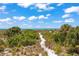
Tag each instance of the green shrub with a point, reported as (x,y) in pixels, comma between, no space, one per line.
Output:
(2,45)
(2,48)
(58,37)
(71,38)
(13,31)
(24,39)
(57,48)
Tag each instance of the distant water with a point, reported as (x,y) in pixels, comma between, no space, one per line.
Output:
(40,29)
(3,29)
(35,29)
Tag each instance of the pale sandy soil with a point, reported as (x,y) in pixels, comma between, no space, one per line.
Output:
(34,50)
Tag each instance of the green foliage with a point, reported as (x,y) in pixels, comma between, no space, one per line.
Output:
(2,48)
(13,31)
(77,49)
(2,45)
(58,37)
(48,36)
(77,34)
(31,34)
(57,48)
(66,36)
(65,27)
(23,39)
(71,38)
(73,50)
(1,42)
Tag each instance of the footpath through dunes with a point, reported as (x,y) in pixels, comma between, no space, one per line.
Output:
(42,43)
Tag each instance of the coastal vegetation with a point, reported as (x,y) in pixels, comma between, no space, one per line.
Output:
(64,41)
(15,38)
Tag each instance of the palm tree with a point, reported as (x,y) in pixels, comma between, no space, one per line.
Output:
(65,27)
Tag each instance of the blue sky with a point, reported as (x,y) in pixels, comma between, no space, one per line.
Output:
(38,15)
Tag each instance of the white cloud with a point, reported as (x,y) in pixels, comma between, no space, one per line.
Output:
(39,1)
(38,26)
(69,20)
(42,17)
(23,25)
(50,8)
(5,20)
(66,15)
(48,15)
(57,21)
(10,23)
(20,18)
(39,17)
(72,9)
(41,22)
(15,17)
(43,6)
(25,5)
(59,4)
(40,10)
(32,18)
(3,10)
(48,26)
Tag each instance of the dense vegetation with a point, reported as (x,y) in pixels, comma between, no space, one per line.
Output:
(66,38)
(17,42)
(17,37)
(13,31)
(64,41)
